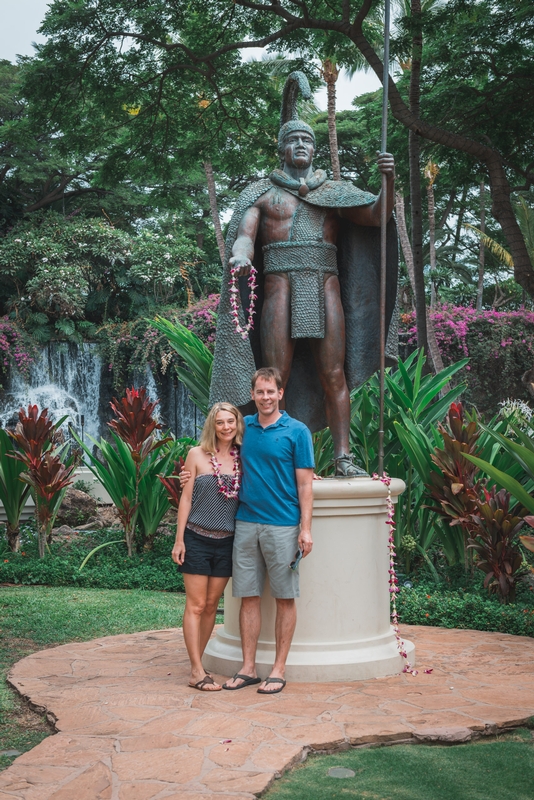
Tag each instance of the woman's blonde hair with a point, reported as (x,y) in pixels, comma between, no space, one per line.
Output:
(208,440)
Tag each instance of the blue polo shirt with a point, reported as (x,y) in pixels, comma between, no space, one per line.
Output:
(270,457)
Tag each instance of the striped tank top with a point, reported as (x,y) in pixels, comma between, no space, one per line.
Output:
(212,514)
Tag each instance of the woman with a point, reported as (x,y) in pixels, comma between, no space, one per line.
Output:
(205,530)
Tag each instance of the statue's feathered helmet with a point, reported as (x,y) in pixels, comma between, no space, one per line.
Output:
(289,121)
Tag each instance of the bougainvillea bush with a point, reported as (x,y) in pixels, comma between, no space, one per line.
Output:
(129,346)
(16,348)
(499,345)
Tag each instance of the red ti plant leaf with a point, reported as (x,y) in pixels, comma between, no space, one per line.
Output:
(172,483)
(134,423)
(33,434)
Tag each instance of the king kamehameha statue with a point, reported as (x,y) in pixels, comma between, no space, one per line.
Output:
(314,245)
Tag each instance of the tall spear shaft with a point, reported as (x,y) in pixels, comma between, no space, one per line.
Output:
(383,239)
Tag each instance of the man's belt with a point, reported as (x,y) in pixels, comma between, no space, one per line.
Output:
(306,264)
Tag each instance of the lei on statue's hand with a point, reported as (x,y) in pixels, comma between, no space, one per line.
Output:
(234,291)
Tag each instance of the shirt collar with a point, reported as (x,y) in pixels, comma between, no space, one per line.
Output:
(282,421)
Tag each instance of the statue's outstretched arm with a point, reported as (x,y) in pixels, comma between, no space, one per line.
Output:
(243,249)
(370,215)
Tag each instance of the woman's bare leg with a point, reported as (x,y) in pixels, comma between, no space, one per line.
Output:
(216,587)
(196,590)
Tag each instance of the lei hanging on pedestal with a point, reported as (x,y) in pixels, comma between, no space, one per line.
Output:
(393,581)
(233,491)
(234,291)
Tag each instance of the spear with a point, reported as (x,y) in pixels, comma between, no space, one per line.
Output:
(383,239)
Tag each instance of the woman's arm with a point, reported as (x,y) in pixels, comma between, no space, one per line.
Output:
(184,509)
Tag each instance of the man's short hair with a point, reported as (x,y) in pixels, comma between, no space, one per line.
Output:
(268,374)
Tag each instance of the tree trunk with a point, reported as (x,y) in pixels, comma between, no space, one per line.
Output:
(433,349)
(415,181)
(330,74)
(13,537)
(212,192)
(482,250)
(432,240)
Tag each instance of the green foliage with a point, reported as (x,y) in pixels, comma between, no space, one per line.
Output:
(197,357)
(13,492)
(458,609)
(63,276)
(109,568)
(413,406)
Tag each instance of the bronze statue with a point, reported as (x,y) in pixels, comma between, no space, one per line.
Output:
(315,244)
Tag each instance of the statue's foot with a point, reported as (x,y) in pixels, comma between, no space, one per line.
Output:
(346,468)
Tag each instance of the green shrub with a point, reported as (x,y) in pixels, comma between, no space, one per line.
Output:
(461,609)
(109,569)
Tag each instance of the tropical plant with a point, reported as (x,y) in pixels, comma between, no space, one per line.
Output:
(494,538)
(413,406)
(521,451)
(196,375)
(36,439)
(13,491)
(129,474)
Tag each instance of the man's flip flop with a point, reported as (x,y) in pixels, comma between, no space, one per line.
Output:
(272,680)
(207,680)
(248,680)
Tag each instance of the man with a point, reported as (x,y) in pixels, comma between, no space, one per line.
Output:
(298,218)
(273,523)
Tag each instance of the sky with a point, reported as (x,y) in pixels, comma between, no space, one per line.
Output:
(21,18)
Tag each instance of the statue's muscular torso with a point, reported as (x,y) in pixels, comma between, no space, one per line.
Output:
(277,209)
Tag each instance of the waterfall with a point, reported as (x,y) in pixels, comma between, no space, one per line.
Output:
(68,379)
(65,378)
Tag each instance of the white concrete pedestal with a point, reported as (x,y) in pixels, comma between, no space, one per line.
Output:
(343,630)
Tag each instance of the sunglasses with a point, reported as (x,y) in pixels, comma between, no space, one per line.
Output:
(294,564)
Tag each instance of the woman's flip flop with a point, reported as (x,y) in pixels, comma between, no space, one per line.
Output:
(207,680)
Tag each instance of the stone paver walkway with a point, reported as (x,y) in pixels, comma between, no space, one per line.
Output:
(130,729)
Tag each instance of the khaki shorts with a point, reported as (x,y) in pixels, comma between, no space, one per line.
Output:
(264,549)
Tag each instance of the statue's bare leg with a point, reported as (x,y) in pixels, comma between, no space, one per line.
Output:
(329,354)
(276,343)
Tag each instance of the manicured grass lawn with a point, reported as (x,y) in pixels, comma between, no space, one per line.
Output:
(502,768)
(33,618)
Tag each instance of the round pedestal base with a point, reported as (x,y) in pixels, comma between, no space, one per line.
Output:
(320,662)
(343,628)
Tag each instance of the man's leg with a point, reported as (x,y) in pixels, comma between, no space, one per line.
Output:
(277,346)
(329,354)
(249,628)
(286,619)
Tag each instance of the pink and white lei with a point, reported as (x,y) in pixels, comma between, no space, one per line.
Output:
(233,492)
(234,291)
(393,580)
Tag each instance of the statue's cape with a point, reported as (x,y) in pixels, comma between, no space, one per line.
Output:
(358,255)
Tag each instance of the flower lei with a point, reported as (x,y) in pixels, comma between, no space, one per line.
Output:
(233,492)
(393,581)
(234,291)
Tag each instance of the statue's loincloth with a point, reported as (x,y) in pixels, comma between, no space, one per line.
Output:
(305,259)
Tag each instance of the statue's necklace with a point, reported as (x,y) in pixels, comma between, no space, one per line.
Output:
(233,492)
(302,186)
(234,291)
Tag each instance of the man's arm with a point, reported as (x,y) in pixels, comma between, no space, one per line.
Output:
(370,215)
(305,492)
(243,249)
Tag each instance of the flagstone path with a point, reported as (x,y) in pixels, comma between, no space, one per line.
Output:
(130,729)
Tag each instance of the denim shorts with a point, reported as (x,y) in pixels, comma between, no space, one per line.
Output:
(206,556)
(261,550)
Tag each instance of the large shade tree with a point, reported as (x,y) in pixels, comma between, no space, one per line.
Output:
(108,59)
